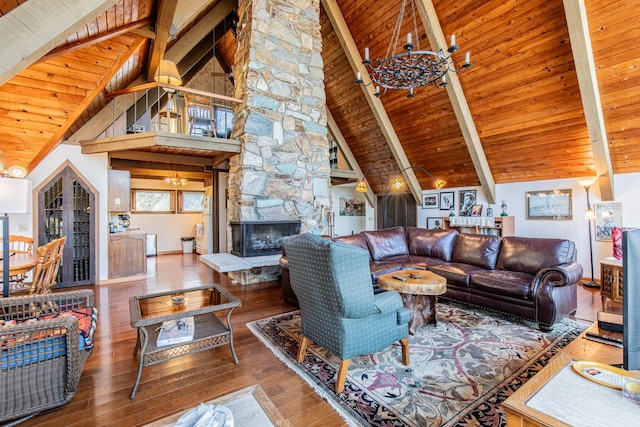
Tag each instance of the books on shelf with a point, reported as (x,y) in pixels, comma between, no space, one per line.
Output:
(176,331)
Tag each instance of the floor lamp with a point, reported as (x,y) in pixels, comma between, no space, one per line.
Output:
(14,198)
(590,216)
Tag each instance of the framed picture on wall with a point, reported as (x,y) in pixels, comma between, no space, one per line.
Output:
(476,210)
(549,204)
(430,200)
(607,216)
(447,200)
(467,202)
(352,206)
(434,223)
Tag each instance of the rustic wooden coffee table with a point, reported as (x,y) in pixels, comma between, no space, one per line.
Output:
(149,311)
(419,290)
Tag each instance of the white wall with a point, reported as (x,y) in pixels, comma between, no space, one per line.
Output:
(344,225)
(169,227)
(626,188)
(94,168)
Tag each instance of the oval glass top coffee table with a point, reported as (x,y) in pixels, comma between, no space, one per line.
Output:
(418,289)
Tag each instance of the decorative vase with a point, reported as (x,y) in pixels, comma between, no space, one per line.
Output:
(489,211)
(452,211)
(503,208)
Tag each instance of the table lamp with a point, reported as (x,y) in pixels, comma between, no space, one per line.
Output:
(14,198)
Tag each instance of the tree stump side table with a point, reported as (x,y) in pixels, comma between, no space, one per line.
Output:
(418,290)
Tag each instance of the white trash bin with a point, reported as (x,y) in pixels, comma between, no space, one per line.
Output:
(187,245)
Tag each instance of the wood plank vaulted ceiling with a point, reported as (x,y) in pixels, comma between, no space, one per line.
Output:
(525,96)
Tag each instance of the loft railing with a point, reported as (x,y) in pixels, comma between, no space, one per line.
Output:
(157,107)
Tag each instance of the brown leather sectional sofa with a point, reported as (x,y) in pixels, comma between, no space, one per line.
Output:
(533,278)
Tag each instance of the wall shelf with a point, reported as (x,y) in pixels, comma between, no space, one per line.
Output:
(502,226)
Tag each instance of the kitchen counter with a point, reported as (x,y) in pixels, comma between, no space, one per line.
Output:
(127,254)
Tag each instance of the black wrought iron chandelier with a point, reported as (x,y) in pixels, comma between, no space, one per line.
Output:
(413,68)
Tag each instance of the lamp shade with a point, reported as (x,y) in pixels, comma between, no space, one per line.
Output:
(168,73)
(15,195)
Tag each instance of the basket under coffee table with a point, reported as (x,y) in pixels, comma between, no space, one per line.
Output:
(149,311)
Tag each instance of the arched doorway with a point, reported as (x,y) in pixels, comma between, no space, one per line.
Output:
(67,208)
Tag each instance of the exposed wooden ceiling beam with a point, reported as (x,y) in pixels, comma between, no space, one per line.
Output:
(134,164)
(459,102)
(104,118)
(351,51)
(31,31)
(73,115)
(578,25)
(94,40)
(351,159)
(164,18)
(159,139)
(146,156)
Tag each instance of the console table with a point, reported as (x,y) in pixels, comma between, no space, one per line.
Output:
(523,410)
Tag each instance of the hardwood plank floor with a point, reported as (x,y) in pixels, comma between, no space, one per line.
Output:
(177,385)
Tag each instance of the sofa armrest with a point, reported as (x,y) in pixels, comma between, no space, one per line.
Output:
(562,275)
(34,343)
(32,306)
(388,302)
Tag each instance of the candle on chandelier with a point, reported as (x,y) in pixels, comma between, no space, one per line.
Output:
(408,38)
(358,76)
(453,40)
(467,58)
(377,89)
(366,53)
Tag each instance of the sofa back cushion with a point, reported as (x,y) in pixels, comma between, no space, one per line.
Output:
(386,243)
(431,243)
(530,254)
(476,249)
(357,240)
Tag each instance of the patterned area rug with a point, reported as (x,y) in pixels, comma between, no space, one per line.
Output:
(461,369)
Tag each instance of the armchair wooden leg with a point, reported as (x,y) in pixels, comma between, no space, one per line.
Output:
(405,351)
(303,349)
(342,375)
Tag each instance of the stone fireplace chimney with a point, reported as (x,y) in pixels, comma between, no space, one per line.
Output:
(282,171)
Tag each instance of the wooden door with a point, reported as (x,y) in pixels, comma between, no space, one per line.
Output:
(396,209)
(67,208)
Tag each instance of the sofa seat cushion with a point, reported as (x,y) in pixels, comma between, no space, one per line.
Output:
(456,273)
(431,243)
(510,283)
(422,262)
(378,268)
(386,243)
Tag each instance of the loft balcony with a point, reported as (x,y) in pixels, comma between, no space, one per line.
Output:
(169,119)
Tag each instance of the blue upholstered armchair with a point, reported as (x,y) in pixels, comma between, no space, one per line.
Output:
(339,311)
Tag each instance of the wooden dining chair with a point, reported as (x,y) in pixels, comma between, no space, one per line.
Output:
(39,276)
(56,258)
(24,245)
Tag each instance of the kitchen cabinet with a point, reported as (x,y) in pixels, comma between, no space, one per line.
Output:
(127,254)
(119,191)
